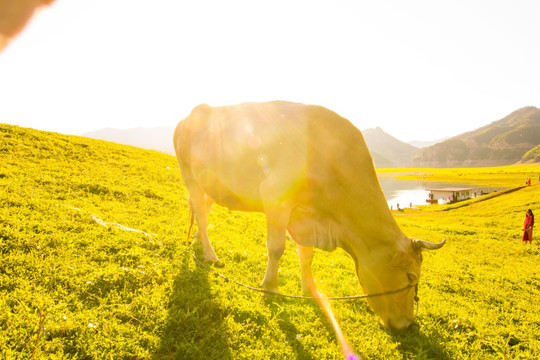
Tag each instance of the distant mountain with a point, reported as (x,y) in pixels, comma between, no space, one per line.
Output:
(386,150)
(503,142)
(157,138)
(423,144)
(512,139)
(380,161)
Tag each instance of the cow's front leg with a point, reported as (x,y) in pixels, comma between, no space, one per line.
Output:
(276,226)
(305,255)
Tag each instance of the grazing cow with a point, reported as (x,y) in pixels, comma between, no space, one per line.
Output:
(310,172)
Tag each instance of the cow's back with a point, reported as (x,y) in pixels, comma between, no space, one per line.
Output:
(308,153)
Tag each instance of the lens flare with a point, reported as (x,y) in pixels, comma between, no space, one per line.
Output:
(324,304)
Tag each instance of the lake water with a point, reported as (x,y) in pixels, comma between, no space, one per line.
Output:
(413,192)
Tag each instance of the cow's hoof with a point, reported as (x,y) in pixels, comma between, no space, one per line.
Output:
(269,293)
(218,264)
(211,257)
(269,290)
(214,262)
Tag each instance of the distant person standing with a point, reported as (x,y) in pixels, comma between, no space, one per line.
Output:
(528,226)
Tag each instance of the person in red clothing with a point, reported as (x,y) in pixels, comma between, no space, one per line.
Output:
(528,226)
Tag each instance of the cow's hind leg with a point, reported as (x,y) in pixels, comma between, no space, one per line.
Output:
(208,203)
(201,203)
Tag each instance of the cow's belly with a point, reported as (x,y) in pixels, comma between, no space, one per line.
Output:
(246,180)
(232,200)
(233,184)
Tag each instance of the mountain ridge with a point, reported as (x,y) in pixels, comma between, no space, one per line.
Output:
(505,141)
(502,142)
(386,150)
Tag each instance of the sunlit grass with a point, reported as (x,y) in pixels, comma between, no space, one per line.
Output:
(72,288)
(501,176)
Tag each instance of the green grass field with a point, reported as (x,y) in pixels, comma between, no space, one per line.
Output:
(94,265)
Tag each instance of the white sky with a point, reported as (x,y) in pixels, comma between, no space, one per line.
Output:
(421,70)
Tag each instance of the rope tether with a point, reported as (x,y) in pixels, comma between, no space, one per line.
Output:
(354,297)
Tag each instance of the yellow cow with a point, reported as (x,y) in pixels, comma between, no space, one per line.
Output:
(310,172)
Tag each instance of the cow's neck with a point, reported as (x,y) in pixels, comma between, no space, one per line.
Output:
(371,230)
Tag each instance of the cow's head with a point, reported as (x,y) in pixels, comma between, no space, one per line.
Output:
(394,271)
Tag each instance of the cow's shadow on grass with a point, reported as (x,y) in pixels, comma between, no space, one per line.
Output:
(287,327)
(195,327)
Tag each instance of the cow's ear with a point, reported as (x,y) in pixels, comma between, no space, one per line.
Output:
(401,259)
(413,278)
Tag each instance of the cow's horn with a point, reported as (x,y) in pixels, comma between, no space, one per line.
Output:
(421,244)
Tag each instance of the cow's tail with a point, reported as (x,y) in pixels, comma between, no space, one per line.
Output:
(191,219)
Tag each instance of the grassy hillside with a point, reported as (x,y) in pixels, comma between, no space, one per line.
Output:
(499,176)
(532,155)
(71,287)
(94,265)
